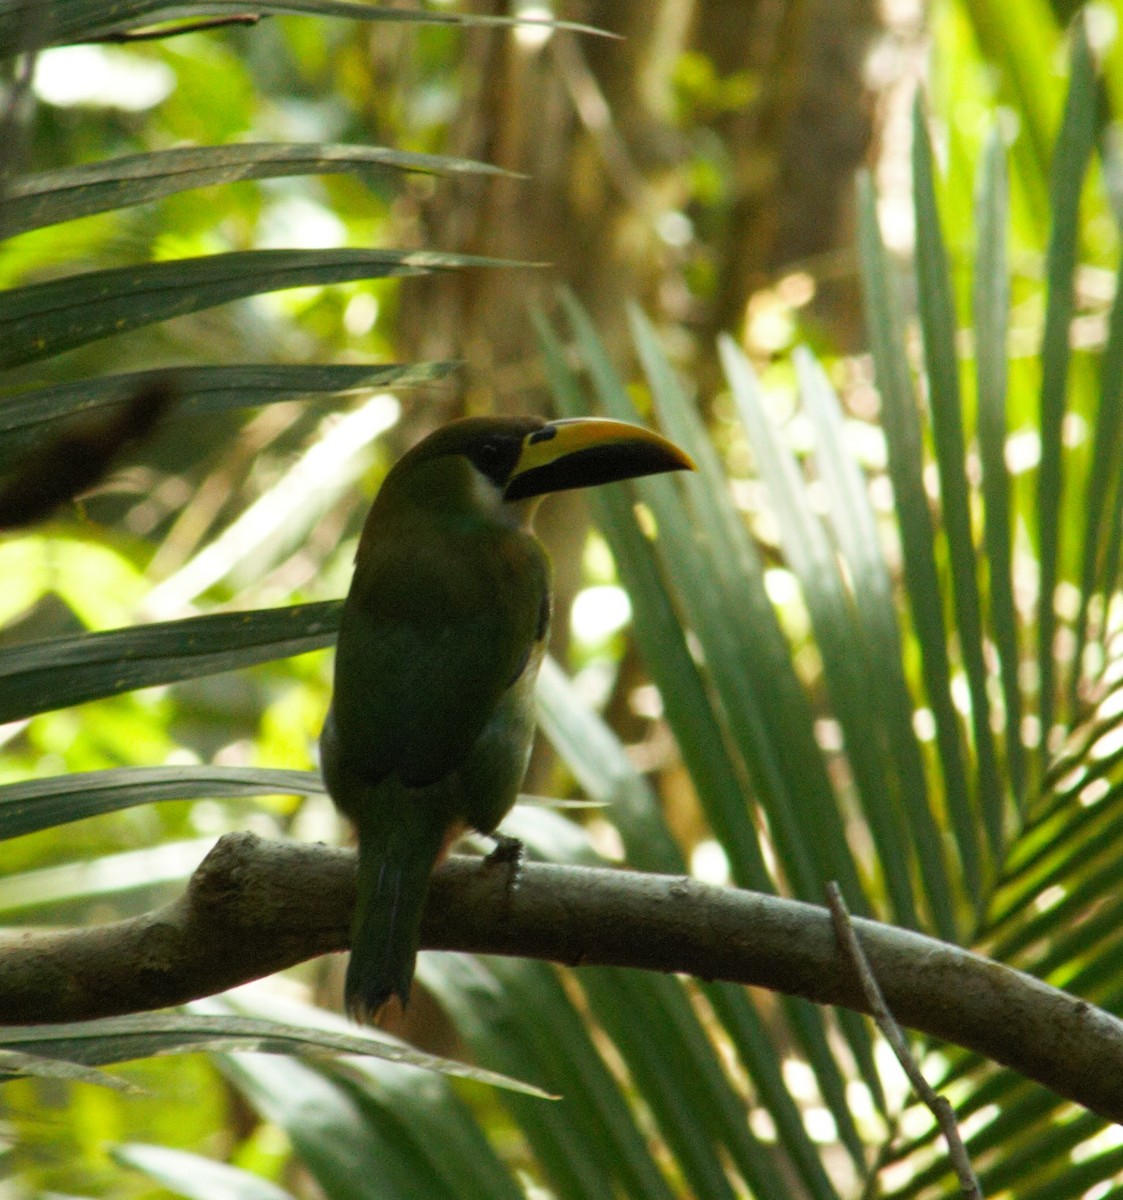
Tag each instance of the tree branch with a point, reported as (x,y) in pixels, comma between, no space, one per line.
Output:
(254,907)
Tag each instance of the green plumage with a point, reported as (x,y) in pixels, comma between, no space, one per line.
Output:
(440,640)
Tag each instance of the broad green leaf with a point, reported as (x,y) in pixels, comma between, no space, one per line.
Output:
(194,1176)
(50,197)
(42,319)
(40,803)
(58,672)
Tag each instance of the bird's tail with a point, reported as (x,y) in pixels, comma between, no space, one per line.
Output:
(400,838)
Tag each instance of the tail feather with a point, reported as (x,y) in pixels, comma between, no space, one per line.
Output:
(400,839)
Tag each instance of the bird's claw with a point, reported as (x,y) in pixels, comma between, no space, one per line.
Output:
(509,852)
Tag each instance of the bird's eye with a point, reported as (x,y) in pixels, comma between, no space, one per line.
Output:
(495,458)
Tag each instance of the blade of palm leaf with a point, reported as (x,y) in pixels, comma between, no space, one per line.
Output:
(1021,41)
(1023,1113)
(644,1012)
(17,1065)
(50,197)
(1089,1175)
(660,1066)
(1100,977)
(689,712)
(906,467)
(1051,927)
(215,1025)
(733,558)
(991,303)
(1105,480)
(311,485)
(687,704)
(206,390)
(72,21)
(42,319)
(1048,1151)
(729,554)
(852,520)
(756,1047)
(350,1154)
(430,1112)
(1078,843)
(601,765)
(753,697)
(1113,553)
(194,1176)
(484,997)
(837,632)
(945,407)
(42,803)
(715,617)
(1092,945)
(1070,162)
(145,876)
(987,1086)
(1071,821)
(1104,492)
(1085,749)
(740,1143)
(59,672)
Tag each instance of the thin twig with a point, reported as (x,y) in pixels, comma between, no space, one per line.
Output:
(891,1031)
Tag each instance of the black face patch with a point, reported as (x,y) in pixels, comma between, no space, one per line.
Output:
(496,455)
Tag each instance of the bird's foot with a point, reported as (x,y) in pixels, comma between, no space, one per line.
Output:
(509,852)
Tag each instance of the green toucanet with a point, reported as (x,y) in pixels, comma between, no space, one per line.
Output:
(440,640)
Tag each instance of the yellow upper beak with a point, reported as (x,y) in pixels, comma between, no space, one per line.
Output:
(586,451)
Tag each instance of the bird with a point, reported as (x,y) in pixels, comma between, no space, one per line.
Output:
(444,626)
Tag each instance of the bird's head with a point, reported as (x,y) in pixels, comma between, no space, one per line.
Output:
(522,458)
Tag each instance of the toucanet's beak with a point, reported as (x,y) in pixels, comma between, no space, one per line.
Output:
(585,451)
